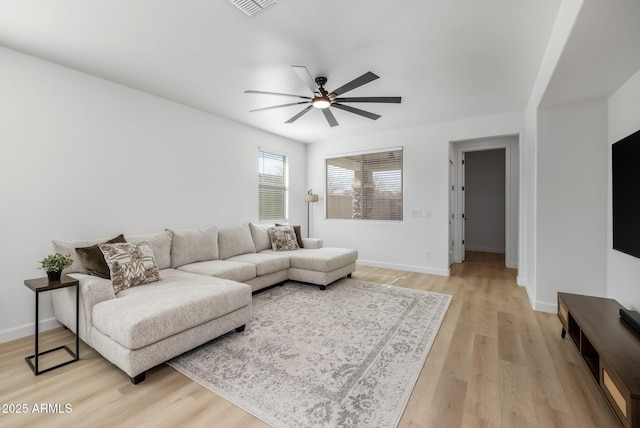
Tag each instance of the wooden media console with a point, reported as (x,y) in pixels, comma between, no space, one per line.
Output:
(609,347)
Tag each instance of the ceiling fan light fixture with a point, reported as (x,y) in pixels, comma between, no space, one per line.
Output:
(321,102)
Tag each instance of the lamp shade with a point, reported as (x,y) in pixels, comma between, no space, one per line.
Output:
(310,198)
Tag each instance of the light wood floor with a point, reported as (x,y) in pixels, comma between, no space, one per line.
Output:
(495,363)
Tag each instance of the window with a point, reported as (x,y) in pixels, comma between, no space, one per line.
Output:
(273,186)
(365,186)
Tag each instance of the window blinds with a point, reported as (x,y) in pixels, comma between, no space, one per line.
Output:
(365,186)
(273,189)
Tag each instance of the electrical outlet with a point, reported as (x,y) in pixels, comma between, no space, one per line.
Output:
(428,255)
(416,213)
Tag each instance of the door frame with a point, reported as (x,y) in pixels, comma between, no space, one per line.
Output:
(452,183)
(511,192)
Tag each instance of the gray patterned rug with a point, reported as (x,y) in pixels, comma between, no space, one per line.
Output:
(348,356)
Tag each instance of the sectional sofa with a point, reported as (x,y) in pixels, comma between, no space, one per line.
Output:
(199,286)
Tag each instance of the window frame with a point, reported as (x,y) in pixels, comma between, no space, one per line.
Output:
(389,150)
(273,154)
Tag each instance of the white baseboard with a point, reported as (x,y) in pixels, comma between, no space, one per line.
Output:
(409,268)
(521,281)
(532,299)
(27,330)
(551,308)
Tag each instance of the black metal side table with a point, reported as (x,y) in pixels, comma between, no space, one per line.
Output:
(41,285)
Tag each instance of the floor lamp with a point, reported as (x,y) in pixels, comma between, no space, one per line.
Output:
(309,197)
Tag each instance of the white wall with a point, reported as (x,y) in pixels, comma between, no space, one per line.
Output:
(485,201)
(571,202)
(81,157)
(623,271)
(403,245)
(528,268)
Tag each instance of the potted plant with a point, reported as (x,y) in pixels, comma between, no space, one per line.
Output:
(53,264)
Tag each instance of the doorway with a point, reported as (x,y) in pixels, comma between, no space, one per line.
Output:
(484,201)
(506,240)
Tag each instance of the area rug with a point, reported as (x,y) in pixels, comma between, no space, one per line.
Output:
(348,356)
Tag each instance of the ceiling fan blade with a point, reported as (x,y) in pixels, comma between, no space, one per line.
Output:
(369,100)
(330,117)
(355,83)
(305,76)
(299,115)
(357,111)
(279,106)
(277,93)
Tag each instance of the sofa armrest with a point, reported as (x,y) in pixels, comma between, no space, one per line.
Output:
(93,290)
(313,243)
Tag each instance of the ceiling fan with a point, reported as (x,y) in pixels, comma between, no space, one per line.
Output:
(322,99)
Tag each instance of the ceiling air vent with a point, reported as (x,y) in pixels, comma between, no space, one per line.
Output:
(249,7)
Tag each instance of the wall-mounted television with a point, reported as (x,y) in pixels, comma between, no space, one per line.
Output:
(625,158)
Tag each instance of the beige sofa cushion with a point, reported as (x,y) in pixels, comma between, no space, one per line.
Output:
(265,263)
(235,240)
(260,235)
(235,271)
(193,245)
(68,248)
(320,260)
(314,243)
(143,315)
(160,243)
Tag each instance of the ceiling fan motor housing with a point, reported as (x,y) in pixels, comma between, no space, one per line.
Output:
(321,81)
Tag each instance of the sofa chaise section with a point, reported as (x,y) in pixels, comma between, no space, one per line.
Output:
(320,266)
(149,324)
(145,325)
(313,263)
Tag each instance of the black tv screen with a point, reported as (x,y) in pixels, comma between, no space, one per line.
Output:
(625,158)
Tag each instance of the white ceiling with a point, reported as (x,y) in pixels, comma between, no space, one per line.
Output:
(600,55)
(448,59)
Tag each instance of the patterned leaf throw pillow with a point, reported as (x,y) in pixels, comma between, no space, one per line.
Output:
(283,238)
(130,264)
